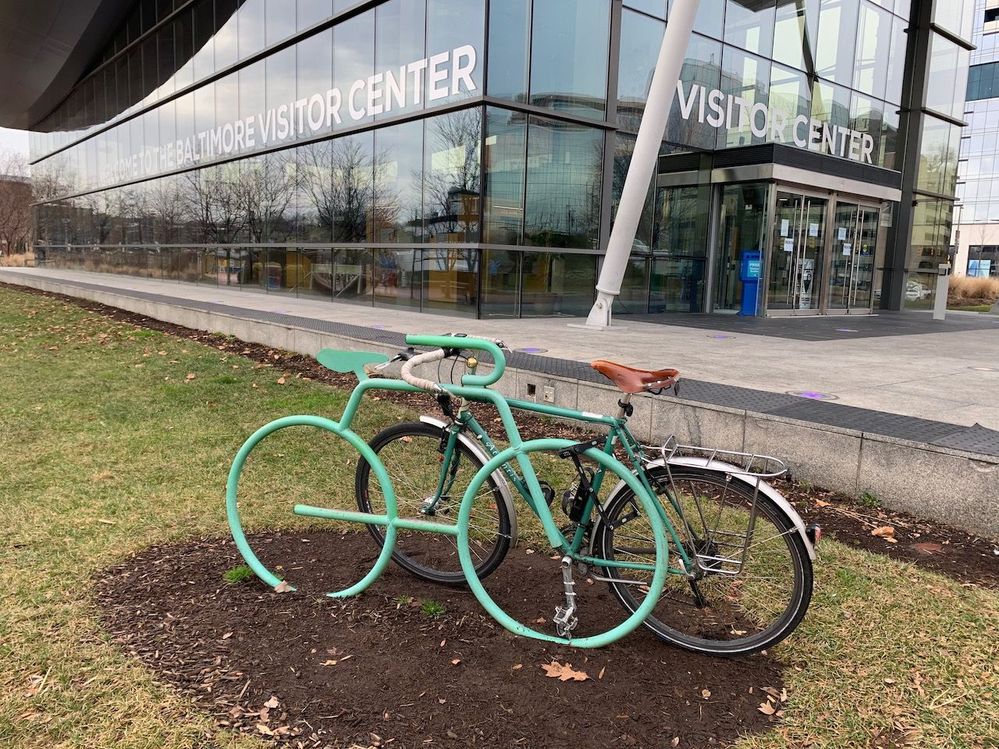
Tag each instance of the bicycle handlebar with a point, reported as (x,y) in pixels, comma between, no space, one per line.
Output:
(418,382)
(454,342)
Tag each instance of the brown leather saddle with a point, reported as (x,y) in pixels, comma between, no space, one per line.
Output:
(631,380)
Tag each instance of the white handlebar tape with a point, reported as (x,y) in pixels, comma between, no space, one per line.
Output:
(419,382)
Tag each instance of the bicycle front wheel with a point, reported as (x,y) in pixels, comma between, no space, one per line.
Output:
(752,600)
(427,488)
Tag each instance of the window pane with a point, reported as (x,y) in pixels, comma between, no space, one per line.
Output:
(947,81)
(451,177)
(866,116)
(454,25)
(250,22)
(956,16)
(314,61)
(500,283)
(790,98)
(279,125)
(752,29)
(399,40)
(556,283)
(710,18)
(701,66)
(280,20)
(641,39)
(227,36)
(509,27)
(830,106)
(795,33)
(317,198)
(353,60)
(398,198)
(748,77)
(252,99)
(311,12)
(896,62)
(506,141)
(564,171)
(204,45)
(624,147)
(873,47)
(569,48)
(888,153)
(938,156)
(351,168)
(655,8)
(837,36)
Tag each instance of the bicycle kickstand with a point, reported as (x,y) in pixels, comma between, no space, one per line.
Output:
(565,616)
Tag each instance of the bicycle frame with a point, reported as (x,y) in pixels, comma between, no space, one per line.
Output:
(618,433)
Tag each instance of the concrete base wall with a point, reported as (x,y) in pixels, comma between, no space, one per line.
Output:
(955,487)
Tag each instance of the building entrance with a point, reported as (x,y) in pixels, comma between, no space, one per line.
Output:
(797,254)
(852,258)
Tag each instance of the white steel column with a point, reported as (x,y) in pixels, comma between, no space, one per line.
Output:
(644,159)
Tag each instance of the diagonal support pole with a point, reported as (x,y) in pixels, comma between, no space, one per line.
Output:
(644,159)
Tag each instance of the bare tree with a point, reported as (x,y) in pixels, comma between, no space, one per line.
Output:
(337,179)
(268,185)
(451,186)
(15,204)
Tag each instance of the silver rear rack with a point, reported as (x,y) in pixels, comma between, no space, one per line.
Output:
(727,521)
(750,465)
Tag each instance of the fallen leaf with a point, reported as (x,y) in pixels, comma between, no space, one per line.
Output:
(190,376)
(601,674)
(227,635)
(675,741)
(264,729)
(518,666)
(820,503)
(705,693)
(407,439)
(272,703)
(928,548)
(556,670)
(884,531)
(455,661)
(281,381)
(328,663)
(767,708)
(282,587)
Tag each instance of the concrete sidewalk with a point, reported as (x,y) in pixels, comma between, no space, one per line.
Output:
(910,418)
(887,363)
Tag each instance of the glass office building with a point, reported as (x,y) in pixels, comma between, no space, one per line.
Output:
(977,216)
(467,155)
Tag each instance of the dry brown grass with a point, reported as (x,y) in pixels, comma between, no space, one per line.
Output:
(18,260)
(965,290)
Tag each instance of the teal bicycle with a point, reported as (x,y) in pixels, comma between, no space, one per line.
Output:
(693,543)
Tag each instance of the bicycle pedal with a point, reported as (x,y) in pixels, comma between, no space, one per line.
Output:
(548,491)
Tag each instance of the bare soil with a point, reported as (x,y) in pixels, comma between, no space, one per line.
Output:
(381,669)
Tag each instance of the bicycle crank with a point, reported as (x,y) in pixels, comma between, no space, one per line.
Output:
(565,616)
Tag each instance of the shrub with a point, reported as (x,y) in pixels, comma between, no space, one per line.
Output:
(965,291)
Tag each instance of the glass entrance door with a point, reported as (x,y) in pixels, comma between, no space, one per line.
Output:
(796,256)
(851,274)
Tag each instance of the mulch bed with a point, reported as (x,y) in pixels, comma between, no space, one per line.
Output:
(378,670)
(255,659)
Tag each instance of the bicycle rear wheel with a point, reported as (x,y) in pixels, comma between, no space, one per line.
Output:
(413,454)
(735,608)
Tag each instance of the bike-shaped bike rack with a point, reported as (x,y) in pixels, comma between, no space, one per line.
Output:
(635,486)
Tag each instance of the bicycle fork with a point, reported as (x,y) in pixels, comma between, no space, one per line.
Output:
(565,616)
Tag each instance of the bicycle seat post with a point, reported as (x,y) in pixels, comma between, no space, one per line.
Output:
(625,409)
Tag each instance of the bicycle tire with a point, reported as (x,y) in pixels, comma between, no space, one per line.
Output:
(657,571)
(723,627)
(412,455)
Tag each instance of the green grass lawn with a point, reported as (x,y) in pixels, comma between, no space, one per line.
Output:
(107,445)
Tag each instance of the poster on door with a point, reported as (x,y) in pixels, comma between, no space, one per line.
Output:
(806,272)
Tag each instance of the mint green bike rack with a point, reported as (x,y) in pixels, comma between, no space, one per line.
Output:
(473,387)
